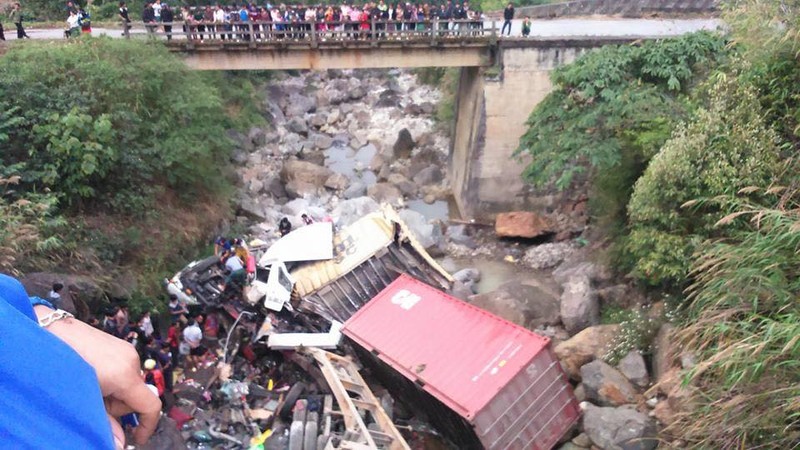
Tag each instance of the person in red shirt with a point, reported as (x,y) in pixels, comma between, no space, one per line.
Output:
(174,340)
(153,375)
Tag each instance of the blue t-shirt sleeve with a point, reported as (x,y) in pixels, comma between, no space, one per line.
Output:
(14,293)
(49,396)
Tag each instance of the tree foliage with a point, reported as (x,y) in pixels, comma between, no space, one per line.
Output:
(725,147)
(103,122)
(617,96)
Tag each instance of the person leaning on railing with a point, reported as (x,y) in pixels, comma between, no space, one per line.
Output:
(167,17)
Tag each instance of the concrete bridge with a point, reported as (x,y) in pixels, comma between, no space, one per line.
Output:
(501,81)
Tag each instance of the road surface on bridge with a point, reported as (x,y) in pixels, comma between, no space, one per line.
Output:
(540,28)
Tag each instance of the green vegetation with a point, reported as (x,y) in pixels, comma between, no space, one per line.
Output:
(446,80)
(115,157)
(691,146)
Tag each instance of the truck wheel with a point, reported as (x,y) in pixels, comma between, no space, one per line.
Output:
(296,436)
(310,437)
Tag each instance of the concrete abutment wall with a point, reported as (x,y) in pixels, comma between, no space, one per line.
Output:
(491,116)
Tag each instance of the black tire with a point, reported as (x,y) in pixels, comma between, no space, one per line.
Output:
(285,411)
(310,436)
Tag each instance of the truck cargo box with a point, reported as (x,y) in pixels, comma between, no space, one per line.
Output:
(482,381)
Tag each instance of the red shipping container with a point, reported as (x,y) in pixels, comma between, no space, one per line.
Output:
(502,380)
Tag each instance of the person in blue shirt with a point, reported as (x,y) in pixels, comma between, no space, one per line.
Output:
(63,383)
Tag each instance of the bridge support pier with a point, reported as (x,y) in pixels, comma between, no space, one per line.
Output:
(491,115)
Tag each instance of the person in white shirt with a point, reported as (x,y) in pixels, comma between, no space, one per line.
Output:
(157,10)
(73,29)
(193,336)
(54,296)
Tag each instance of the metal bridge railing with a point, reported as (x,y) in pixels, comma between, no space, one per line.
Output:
(432,32)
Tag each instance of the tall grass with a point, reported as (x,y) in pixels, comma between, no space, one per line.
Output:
(744,322)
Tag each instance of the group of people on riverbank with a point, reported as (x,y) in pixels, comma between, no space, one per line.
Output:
(348,21)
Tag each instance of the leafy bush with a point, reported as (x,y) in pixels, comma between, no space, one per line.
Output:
(100,119)
(724,148)
(612,98)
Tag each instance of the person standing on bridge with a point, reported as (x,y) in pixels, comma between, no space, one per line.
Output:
(16,17)
(167,17)
(508,16)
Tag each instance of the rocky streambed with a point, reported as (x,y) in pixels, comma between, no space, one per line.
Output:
(340,143)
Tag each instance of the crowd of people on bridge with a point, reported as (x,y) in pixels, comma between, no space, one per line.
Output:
(347,21)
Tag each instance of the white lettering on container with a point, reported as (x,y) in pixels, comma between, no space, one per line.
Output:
(406,299)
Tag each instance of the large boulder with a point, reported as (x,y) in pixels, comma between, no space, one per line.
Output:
(429,175)
(257,136)
(301,189)
(621,428)
(305,172)
(322,141)
(586,346)
(428,234)
(579,305)
(81,296)
(522,303)
(522,224)
(384,193)
(548,255)
(605,385)
(299,105)
(349,211)
(402,183)
(297,125)
(356,189)
(634,368)
(403,145)
(337,182)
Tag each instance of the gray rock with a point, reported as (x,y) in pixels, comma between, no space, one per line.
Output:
(384,193)
(239,156)
(665,352)
(403,145)
(357,93)
(580,392)
(297,125)
(349,211)
(621,428)
(306,172)
(376,163)
(255,186)
(569,268)
(322,141)
(319,119)
(617,295)
(408,188)
(548,255)
(458,235)
(257,136)
(274,186)
(298,105)
(569,446)
(337,182)
(387,99)
(468,276)
(301,189)
(582,440)
(356,189)
(461,290)
(429,235)
(634,369)
(522,303)
(606,385)
(295,207)
(579,306)
(311,154)
(252,208)
(429,175)
(333,117)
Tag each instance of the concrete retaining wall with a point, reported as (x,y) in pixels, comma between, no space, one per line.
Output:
(625,8)
(491,116)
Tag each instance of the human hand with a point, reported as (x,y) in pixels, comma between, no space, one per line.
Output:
(117,366)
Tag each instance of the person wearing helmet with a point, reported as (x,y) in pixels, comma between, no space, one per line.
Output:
(153,375)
